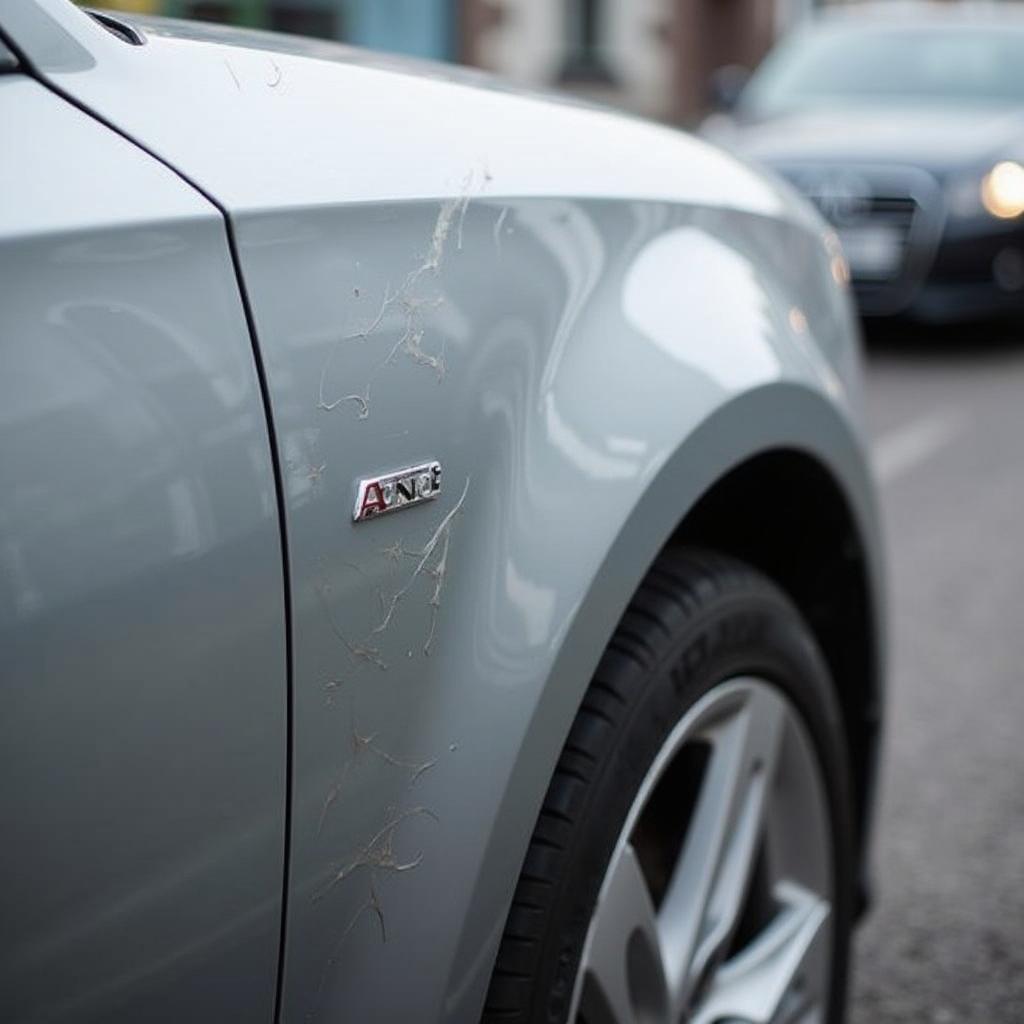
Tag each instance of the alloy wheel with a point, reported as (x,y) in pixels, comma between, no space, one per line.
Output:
(716,906)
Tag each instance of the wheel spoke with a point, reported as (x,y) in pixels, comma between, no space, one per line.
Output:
(776,978)
(705,895)
(622,959)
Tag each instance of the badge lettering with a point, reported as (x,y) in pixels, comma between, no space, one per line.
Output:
(393,491)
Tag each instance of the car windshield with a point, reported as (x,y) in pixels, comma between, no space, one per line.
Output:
(869,65)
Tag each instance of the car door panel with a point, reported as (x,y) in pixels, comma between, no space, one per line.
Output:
(142,624)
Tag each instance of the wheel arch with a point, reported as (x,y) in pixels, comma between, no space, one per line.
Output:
(812,548)
(797,443)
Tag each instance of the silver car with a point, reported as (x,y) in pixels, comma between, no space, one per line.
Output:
(439,568)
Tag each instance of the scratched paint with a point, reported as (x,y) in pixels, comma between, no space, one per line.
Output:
(408,307)
(381,856)
(431,562)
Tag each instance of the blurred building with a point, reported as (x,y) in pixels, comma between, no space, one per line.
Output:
(654,57)
(422,28)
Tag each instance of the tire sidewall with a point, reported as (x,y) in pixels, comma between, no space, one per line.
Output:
(756,633)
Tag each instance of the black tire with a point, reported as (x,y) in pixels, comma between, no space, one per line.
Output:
(698,619)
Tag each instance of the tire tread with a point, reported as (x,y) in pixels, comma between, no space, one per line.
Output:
(678,587)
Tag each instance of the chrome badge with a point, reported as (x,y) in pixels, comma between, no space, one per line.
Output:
(379,494)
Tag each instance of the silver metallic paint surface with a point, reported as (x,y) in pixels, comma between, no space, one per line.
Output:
(606,358)
(261,130)
(142,739)
(582,355)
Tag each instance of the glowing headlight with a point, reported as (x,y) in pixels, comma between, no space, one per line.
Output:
(1002,190)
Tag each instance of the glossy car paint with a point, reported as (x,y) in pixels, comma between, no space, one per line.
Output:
(143,734)
(588,321)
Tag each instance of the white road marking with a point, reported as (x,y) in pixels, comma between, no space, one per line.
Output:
(900,450)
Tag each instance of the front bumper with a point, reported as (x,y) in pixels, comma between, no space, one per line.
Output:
(931,267)
(977,271)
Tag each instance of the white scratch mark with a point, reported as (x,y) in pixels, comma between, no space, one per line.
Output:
(498,225)
(411,340)
(331,688)
(438,572)
(367,743)
(379,854)
(463,207)
(416,768)
(393,552)
(363,401)
(276,80)
(388,301)
(410,344)
(372,904)
(332,795)
(362,652)
(231,72)
(439,536)
(428,549)
(442,228)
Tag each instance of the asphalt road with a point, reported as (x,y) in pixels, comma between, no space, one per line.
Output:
(945,940)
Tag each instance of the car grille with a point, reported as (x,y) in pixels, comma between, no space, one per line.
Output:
(876,232)
(895,212)
(888,220)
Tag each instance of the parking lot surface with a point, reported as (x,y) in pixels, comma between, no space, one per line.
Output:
(945,941)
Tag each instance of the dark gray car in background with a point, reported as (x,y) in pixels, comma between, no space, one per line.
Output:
(904,125)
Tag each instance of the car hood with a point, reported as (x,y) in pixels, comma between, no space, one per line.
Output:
(938,140)
(265,122)
(284,44)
